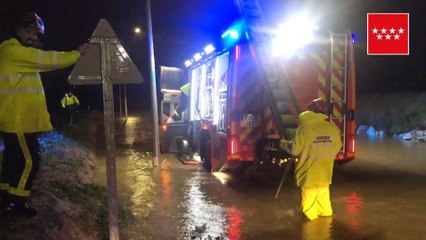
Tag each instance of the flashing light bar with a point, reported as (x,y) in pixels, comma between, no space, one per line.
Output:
(207,50)
(233,34)
(197,56)
(188,63)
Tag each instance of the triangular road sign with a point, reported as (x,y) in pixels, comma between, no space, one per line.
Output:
(89,68)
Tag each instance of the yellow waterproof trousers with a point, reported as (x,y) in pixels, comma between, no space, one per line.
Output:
(315,202)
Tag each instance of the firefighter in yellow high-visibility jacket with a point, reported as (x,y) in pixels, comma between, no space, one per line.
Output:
(70,102)
(23,110)
(316,144)
(183,104)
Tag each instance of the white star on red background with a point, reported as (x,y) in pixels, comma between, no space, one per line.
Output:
(388,34)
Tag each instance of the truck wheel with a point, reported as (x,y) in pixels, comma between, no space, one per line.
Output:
(205,154)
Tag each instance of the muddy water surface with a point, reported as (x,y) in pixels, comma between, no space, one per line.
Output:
(380,195)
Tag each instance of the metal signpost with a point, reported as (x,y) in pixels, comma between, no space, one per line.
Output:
(107,63)
(123,100)
(156,160)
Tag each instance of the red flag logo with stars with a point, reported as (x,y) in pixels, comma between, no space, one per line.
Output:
(388,34)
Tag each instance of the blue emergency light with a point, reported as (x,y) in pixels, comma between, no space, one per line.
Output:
(229,38)
(233,34)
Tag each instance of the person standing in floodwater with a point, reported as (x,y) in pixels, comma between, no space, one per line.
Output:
(316,144)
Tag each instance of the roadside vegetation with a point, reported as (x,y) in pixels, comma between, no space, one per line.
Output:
(70,205)
(393,113)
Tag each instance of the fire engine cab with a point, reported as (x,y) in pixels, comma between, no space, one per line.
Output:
(247,95)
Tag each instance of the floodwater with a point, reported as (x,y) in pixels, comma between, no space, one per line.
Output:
(380,195)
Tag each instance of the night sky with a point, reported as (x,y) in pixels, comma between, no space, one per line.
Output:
(183,27)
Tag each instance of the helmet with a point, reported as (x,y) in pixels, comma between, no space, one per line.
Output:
(318,105)
(30,19)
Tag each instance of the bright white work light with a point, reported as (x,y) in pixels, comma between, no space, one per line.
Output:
(197,56)
(188,63)
(293,35)
(208,49)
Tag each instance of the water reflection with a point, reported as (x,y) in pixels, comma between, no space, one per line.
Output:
(183,202)
(139,182)
(133,132)
(201,211)
(235,220)
(354,204)
(165,180)
(393,153)
(328,228)
(219,221)
(318,229)
(128,133)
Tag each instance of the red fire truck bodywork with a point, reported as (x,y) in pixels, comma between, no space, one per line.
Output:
(244,98)
(231,119)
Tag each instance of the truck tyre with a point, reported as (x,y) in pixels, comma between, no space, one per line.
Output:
(205,153)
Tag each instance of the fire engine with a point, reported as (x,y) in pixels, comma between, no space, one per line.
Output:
(247,95)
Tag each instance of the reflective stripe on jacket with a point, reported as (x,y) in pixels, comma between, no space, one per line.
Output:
(316,144)
(22,101)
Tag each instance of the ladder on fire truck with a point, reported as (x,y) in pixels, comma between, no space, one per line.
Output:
(281,97)
(282,102)
(338,80)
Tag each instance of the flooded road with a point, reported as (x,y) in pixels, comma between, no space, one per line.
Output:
(380,195)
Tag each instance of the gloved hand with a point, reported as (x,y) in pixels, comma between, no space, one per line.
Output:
(83,48)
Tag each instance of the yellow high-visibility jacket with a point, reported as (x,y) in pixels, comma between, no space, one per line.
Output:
(22,102)
(67,101)
(316,144)
(185,89)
